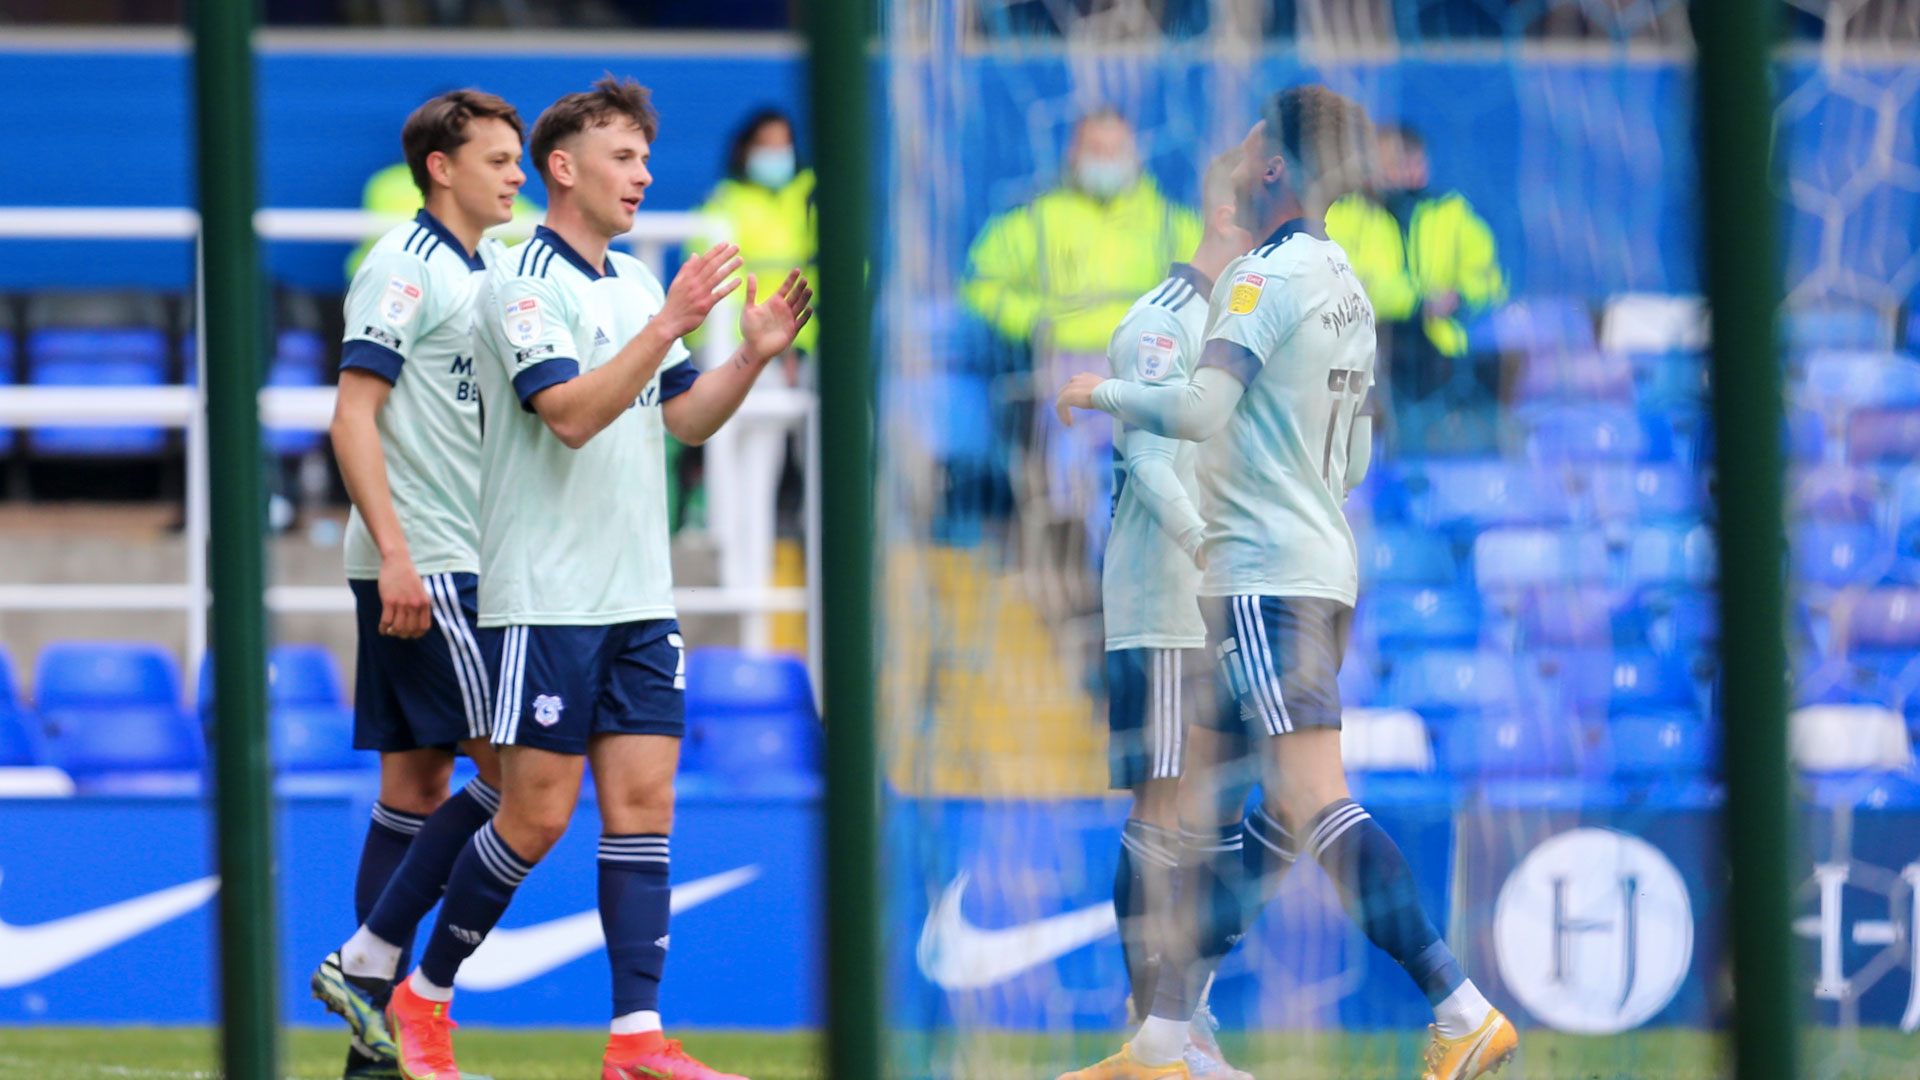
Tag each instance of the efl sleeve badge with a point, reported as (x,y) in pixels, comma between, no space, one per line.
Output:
(1246,292)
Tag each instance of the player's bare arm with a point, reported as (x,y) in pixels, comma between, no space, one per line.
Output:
(405,609)
(767,330)
(582,407)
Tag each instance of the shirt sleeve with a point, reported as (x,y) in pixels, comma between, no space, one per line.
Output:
(532,324)
(677,373)
(385,314)
(1251,309)
(1154,348)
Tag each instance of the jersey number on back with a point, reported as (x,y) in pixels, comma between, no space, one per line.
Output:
(1348,389)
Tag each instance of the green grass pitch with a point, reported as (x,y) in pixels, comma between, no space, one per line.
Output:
(144,1053)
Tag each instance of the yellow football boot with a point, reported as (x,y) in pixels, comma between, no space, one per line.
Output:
(1478,1054)
(1124,1066)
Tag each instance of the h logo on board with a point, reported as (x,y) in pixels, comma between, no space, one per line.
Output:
(546,709)
(1593,931)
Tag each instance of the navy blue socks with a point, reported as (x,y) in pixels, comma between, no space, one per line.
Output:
(1380,895)
(635,898)
(478,891)
(420,880)
(1142,896)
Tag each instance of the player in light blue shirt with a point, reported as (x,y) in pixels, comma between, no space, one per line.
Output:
(406,432)
(1276,403)
(1157,689)
(583,373)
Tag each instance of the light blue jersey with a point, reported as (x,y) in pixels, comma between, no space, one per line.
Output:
(1149,581)
(571,537)
(1273,483)
(409,320)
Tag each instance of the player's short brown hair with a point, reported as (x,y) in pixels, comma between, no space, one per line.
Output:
(440,126)
(1326,139)
(610,99)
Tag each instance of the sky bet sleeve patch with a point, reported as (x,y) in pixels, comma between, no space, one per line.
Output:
(401,302)
(1154,360)
(1246,292)
(524,321)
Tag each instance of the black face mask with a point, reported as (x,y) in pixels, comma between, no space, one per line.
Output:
(1400,203)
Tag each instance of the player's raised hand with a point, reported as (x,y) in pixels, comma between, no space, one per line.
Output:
(405,609)
(768,329)
(1077,394)
(701,283)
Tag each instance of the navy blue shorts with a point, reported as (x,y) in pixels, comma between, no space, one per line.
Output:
(557,686)
(424,691)
(1152,694)
(1279,658)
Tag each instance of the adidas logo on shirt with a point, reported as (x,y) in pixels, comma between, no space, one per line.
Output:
(600,337)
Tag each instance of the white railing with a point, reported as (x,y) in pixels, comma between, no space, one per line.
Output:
(311,409)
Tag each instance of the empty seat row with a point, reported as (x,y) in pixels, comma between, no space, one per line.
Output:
(134,357)
(114,707)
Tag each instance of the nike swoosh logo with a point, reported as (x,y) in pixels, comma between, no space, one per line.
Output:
(957,955)
(31,953)
(511,957)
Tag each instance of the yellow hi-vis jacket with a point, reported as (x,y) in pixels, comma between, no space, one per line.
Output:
(1062,270)
(391,192)
(776,232)
(1446,248)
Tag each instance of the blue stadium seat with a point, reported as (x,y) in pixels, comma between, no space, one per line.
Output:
(753,717)
(1884,619)
(1580,433)
(1359,676)
(1481,494)
(1544,324)
(1411,616)
(1647,493)
(1662,745)
(1671,555)
(20,742)
(304,675)
(7,378)
(315,738)
(1399,555)
(1837,326)
(1663,380)
(106,357)
(1806,439)
(299,359)
(1835,494)
(1440,428)
(1508,560)
(1576,377)
(111,706)
(1840,382)
(1601,681)
(1677,622)
(1558,617)
(1445,682)
(1883,436)
(1509,745)
(1840,555)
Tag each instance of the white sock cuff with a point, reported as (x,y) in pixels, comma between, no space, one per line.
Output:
(634,1023)
(419,984)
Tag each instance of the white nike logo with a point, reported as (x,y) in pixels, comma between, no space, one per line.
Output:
(957,955)
(511,957)
(31,953)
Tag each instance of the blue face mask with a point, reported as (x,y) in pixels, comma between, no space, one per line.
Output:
(1104,178)
(771,166)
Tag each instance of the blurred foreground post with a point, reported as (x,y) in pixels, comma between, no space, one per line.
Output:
(1736,39)
(229,327)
